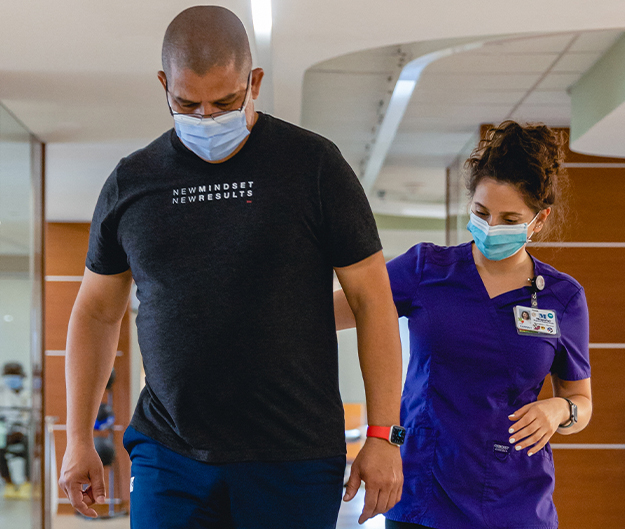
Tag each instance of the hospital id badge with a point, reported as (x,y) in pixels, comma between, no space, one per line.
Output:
(536,322)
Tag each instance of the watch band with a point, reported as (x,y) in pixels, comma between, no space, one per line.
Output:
(393,434)
(573,414)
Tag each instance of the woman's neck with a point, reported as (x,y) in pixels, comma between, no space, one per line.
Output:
(513,264)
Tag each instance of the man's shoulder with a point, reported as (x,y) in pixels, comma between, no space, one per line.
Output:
(158,149)
(294,135)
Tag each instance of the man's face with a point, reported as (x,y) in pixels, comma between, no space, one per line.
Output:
(222,88)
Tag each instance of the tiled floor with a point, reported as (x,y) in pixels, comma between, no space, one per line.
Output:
(348,519)
(16,515)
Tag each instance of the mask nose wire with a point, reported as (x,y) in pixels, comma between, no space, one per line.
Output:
(493,225)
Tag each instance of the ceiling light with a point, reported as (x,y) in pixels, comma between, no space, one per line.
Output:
(404,88)
(261,15)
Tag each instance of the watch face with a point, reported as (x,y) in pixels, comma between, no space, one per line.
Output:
(398,435)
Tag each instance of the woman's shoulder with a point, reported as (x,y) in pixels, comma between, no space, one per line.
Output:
(442,254)
(427,254)
(563,285)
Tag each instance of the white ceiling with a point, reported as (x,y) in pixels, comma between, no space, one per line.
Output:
(520,77)
(82,75)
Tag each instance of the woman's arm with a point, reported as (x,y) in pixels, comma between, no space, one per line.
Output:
(535,423)
(579,392)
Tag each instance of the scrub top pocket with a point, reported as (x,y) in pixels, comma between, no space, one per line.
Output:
(418,459)
(516,483)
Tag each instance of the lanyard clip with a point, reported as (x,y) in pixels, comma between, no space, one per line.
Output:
(538,284)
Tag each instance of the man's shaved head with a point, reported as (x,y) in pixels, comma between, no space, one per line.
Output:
(203,37)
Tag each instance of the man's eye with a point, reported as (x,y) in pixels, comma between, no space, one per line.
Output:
(481,214)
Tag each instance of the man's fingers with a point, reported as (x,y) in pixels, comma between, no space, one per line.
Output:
(353,483)
(371,500)
(78,500)
(98,489)
(383,501)
(398,494)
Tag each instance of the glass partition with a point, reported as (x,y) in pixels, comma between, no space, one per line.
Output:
(20,325)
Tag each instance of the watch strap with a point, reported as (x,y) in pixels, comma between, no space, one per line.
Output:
(383,432)
(386,432)
(573,414)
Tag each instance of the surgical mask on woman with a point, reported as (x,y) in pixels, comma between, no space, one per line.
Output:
(498,242)
(13,382)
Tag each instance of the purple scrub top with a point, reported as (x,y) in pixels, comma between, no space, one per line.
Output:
(469,369)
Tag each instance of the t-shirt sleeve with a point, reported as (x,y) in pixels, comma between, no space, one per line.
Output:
(404,273)
(348,221)
(106,255)
(572,360)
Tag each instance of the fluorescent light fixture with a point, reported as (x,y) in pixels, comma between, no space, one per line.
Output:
(261,15)
(403,89)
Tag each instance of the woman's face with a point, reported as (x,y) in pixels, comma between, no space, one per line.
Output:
(501,203)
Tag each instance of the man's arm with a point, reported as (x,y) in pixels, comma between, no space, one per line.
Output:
(92,339)
(368,293)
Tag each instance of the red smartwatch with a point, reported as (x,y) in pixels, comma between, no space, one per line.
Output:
(396,435)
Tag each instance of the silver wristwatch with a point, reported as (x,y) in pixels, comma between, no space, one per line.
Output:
(573,417)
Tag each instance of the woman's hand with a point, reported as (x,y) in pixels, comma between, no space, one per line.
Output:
(535,423)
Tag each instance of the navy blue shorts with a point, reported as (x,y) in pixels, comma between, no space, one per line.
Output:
(171,491)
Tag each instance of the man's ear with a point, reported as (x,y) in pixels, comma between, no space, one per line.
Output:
(257,79)
(162,78)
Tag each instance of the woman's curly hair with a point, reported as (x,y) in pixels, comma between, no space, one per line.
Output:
(529,157)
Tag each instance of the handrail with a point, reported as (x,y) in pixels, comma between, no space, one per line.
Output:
(51,492)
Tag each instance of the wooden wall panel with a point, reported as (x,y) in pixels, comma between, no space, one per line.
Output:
(56,396)
(590,488)
(59,300)
(593,214)
(600,272)
(608,373)
(66,248)
(355,417)
(65,256)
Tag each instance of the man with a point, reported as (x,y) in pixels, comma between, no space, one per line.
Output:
(231,225)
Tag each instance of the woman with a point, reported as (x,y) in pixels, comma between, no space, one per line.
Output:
(476,452)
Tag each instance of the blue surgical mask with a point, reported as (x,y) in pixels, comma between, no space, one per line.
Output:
(498,242)
(209,139)
(14,382)
(213,139)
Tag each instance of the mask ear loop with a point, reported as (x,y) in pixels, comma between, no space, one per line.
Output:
(529,239)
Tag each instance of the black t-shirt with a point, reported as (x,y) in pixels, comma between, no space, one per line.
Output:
(233,264)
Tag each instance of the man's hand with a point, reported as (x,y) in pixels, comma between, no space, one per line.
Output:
(379,465)
(82,466)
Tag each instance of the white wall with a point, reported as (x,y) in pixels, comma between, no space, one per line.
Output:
(15,300)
